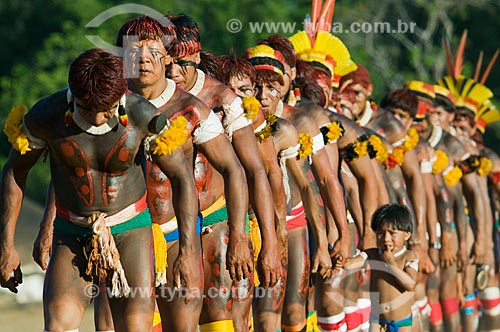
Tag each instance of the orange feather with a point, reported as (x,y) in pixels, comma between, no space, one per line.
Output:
(490,66)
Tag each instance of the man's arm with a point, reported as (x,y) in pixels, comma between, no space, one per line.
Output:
(351,188)
(261,198)
(416,191)
(472,192)
(12,186)
(444,204)
(333,196)
(185,203)
(368,187)
(42,248)
(309,192)
(221,156)
(461,222)
(274,176)
(432,219)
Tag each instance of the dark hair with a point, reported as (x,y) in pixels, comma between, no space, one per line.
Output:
(188,36)
(231,66)
(210,64)
(360,75)
(393,214)
(311,90)
(282,44)
(148,28)
(445,103)
(305,70)
(267,76)
(96,78)
(402,99)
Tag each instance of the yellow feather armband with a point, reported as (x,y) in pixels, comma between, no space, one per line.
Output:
(172,138)
(440,163)
(332,132)
(452,176)
(251,106)
(411,140)
(306,145)
(485,166)
(14,129)
(396,157)
(271,127)
(353,151)
(377,149)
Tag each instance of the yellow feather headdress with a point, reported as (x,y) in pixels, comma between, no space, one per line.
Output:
(319,47)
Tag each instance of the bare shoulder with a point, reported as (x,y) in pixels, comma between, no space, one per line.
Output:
(423,150)
(182,100)
(286,136)
(47,114)
(302,121)
(410,256)
(456,149)
(220,91)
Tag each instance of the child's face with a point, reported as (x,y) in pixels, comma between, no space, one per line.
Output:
(391,239)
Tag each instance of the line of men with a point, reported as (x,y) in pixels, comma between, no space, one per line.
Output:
(247,176)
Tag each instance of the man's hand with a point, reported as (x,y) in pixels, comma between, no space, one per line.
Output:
(239,262)
(447,254)
(339,253)
(268,267)
(42,248)
(186,271)
(479,253)
(463,259)
(322,263)
(10,269)
(369,240)
(425,264)
(434,256)
(282,235)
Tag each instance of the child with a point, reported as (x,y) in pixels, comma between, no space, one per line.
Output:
(393,269)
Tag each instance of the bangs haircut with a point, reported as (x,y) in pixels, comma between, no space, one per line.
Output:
(305,70)
(210,64)
(311,90)
(96,77)
(445,103)
(267,76)
(402,99)
(188,36)
(147,28)
(394,215)
(282,44)
(360,75)
(236,67)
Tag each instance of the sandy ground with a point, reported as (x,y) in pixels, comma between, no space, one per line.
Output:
(24,312)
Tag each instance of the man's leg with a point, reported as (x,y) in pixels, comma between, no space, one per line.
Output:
(267,306)
(176,314)
(66,295)
(103,319)
(294,309)
(135,312)
(222,311)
